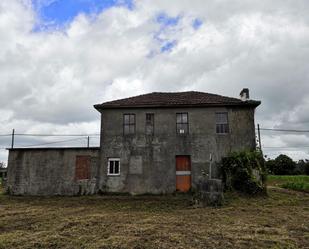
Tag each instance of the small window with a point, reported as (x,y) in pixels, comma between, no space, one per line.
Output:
(182,125)
(128,124)
(149,123)
(222,125)
(113,167)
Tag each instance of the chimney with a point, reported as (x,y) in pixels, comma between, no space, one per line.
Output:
(244,94)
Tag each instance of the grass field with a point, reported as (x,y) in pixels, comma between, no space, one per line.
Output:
(297,182)
(279,221)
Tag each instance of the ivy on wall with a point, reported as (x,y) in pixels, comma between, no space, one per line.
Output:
(245,172)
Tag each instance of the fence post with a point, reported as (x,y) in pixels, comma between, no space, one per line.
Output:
(13,137)
(88,141)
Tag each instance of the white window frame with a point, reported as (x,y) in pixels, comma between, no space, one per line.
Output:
(108,168)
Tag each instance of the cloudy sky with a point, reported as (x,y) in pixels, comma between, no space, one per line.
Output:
(59,57)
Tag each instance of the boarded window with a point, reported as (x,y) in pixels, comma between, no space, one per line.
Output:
(182,123)
(82,168)
(222,125)
(113,166)
(128,124)
(149,123)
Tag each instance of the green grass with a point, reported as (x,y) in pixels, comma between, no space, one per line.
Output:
(297,182)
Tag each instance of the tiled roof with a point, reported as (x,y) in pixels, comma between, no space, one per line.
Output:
(176,99)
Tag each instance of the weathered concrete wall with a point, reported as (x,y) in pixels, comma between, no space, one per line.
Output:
(50,171)
(148,162)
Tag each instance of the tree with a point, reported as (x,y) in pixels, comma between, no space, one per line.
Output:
(2,165)
(284,165)
(270,165)
(301,167)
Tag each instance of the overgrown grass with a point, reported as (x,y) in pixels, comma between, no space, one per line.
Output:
(277,221)
(297,182)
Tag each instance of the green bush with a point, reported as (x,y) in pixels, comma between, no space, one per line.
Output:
(245,172)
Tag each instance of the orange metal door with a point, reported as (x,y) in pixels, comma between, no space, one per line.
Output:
(183,173)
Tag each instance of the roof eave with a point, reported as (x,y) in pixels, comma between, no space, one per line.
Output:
(251,103)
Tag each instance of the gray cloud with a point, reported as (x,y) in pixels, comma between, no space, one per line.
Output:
(50,80)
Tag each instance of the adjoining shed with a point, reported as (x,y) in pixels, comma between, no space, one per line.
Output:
(52,171)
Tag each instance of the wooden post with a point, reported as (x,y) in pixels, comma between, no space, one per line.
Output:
(13,137)
(88,141)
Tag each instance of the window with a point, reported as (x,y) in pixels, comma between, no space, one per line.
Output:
(222,126)
(182,125)
(113,167)
(128,124)
(149,123)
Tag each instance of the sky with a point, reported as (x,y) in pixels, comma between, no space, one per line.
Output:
(59,57)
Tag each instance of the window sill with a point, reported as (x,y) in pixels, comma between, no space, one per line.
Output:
(113,175)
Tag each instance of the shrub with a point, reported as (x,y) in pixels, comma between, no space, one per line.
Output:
(245,172)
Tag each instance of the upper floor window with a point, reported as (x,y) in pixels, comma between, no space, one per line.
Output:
(149,123)
(222,125)
(182,123)
(113,167)
(128,124)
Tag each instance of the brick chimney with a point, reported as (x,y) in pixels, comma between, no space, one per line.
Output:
(244,94)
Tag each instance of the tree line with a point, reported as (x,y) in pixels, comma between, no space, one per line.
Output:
(284,165)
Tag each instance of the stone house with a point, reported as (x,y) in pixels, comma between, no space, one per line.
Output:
(151,143)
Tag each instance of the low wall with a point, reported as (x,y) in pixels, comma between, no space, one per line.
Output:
(52,171)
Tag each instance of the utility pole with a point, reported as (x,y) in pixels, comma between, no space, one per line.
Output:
(13,137)
(259,137)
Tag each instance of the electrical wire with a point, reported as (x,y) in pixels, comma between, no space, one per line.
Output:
(56,142)
(55,135)
(283,130)
(285,147)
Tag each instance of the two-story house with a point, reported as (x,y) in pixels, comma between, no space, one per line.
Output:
(165,141)
(152,143)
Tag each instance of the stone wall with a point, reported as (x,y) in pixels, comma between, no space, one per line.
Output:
(50,171)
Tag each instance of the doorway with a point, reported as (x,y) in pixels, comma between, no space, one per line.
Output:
(183,173)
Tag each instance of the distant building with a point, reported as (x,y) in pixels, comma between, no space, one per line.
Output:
(152,143)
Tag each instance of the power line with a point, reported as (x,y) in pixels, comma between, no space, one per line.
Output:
(285,147)
(56,142)
(55,135)
(284,130)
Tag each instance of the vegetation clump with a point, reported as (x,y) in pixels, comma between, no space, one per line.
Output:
(284,165)
(296,182)
(245,172)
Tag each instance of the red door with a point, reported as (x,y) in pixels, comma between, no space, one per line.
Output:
(82,169)
(183,173)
